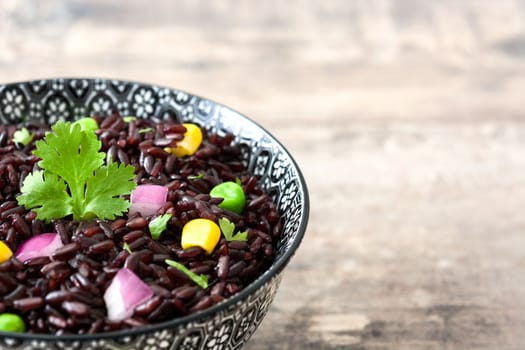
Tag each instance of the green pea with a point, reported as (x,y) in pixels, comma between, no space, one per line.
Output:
(11,323)
(232,194)
(87,124)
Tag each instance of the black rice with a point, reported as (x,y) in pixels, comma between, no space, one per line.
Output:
(63,293)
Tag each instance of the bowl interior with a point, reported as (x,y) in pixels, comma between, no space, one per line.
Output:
(264,156)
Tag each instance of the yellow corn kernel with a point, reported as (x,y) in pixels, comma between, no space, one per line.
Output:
(202,233)
(5,252)
(190,143)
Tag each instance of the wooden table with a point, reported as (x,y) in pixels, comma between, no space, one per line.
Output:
(407,118)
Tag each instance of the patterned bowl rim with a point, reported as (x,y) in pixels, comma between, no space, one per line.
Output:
(277,266)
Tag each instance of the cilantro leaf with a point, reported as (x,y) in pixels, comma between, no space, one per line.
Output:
(227,228)
(158,225)
(195,177)
(73,180)
(201,280)
(104,187)
(72,154)
(69,152)
(23,137)
(126,247)
(129,118)
(39,188)
(87,124)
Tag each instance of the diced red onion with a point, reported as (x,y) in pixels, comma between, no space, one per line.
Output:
(43,244)
(147,199)
(124,293)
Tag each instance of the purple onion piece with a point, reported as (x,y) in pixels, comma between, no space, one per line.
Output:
(40,245)
(124,293)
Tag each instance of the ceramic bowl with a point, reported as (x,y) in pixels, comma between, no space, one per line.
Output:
(227,325)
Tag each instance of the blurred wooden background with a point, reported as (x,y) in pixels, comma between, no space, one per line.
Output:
(407,118)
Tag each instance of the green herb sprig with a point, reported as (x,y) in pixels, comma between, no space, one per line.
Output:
(145,130)
(23,137)
(201,280)
(158,225)
(227,228)
(126,247)
(195,177)
(74,179)
(129,118)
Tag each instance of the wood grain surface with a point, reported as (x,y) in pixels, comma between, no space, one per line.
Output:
(406,117)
